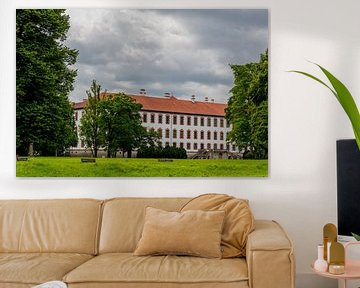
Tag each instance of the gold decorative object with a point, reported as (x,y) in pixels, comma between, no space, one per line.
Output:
(330,236)
(337,258)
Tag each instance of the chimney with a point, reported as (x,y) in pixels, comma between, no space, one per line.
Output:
(167,94)
(142,91)
(212,100)
(193,98)
(206,99)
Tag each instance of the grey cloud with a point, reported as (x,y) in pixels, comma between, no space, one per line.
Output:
(164,50)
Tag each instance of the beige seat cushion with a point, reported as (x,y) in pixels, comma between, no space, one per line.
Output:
(193,232)
(238,223)
(35,268)
(127,269)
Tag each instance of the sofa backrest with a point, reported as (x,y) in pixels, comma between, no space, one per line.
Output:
(67,226)
(123,220)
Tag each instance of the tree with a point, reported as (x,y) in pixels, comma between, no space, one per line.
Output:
(90,121)
(248,108)
(120,123)
(44,115)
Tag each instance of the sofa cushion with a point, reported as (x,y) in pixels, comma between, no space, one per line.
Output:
(126,268)
(193,232)
(238,223)
(36,268)
(123,220)
(63,226)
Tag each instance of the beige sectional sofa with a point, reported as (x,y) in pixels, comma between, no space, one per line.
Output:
(90,243)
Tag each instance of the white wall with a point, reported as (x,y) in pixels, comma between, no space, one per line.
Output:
(305,121)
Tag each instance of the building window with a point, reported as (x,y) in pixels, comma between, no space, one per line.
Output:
(167,133)
(227,124)
(167,144)
(221,135)
(215,135)
(228,147)
(76,116)
(174,133)
(174,144)
(189,121)
(188,134)
(167,119)
(227,135)
(160,132)
(234,148)
(215,122)
(152,118)
(221,146)
(202,121)
(195,121)
(181,120)
(188,146)
(221,122)
(181,145)
(195,146)
(208,146)
(209,122)
(181,134)
(160,118)
(174,119)
(201,135)
(195,134)
(215,146)
(144,117)
(209,135)
(202,146)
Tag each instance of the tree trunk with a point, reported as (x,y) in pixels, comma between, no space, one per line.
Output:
(129,154)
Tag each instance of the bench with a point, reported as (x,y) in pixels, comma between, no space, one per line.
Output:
(88,160)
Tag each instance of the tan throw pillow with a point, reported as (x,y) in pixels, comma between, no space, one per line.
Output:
(196,233)
(239,220)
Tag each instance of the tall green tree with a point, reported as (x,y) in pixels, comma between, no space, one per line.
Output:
(44,79)
(120,124)
(248,108)
(90,129)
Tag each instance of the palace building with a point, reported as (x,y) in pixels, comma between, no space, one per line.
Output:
(189,124)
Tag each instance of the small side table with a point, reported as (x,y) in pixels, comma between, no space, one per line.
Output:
(352,269)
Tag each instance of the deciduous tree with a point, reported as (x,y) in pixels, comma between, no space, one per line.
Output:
(90,121)
(248,108)
(44,79)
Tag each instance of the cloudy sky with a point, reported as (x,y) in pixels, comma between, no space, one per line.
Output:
(183,52)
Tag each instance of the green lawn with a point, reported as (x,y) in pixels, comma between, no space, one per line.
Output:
(119,167)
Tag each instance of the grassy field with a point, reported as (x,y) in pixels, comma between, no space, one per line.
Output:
(119,167)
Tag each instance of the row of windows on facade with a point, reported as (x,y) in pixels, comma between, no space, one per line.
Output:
(175,120)
(195,121)
(195,134)
(196,146)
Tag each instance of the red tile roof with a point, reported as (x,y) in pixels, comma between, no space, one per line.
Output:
(173,105)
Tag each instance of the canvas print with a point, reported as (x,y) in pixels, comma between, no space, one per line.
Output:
(142,93)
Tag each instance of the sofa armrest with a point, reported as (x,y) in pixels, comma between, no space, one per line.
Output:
(269,256)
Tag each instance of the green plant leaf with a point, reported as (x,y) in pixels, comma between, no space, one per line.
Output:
(344,97)
(356,236)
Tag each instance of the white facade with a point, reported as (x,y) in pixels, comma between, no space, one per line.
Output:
(192,132)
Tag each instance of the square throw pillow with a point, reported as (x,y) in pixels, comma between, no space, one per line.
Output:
(238,223)
(193,232)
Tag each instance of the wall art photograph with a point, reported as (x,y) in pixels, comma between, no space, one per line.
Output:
(142,93)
